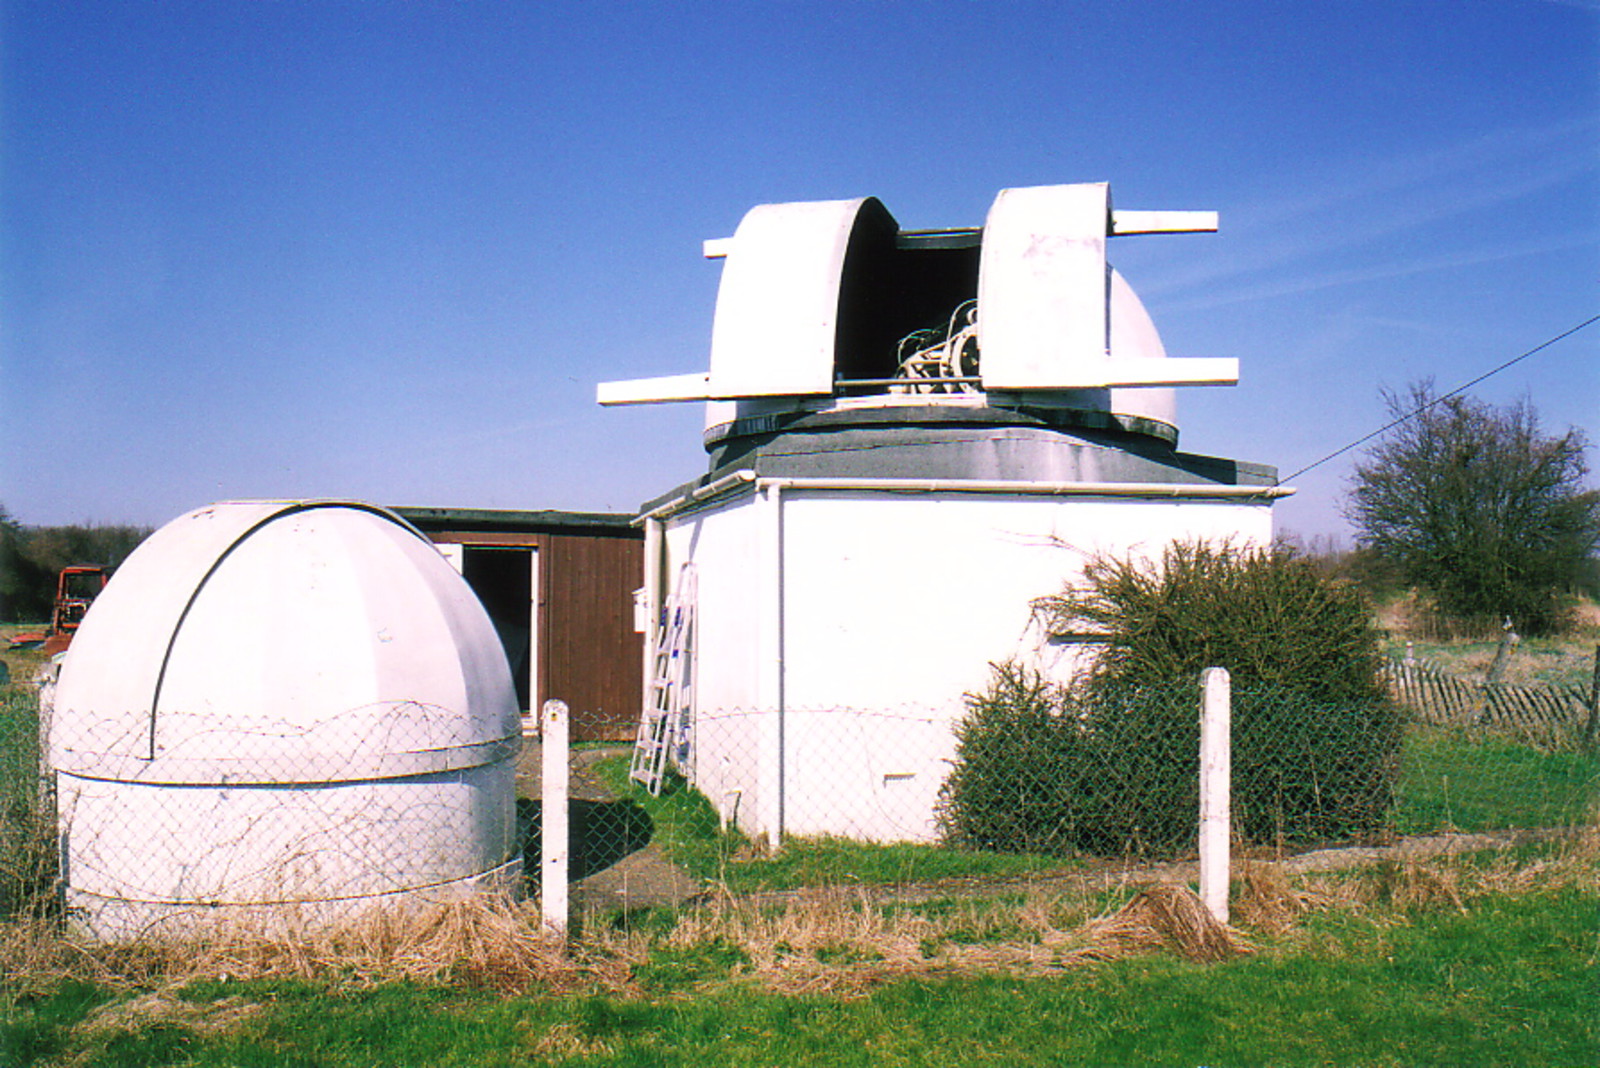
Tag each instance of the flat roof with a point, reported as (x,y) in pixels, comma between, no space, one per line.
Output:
(498,520)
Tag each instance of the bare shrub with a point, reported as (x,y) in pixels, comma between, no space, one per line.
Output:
(1475,505)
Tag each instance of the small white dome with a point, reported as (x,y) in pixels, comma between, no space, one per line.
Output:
(283,641)
(282,704)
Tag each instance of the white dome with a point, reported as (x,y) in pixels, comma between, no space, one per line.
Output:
(1134,337)
(282,703)
(283,641)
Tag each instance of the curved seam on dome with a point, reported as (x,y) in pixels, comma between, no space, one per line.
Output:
(288,509)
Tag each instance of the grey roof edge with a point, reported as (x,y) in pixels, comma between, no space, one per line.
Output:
(1194,472)
(1126,429)
(544,521)
(1014,452)
(683,491)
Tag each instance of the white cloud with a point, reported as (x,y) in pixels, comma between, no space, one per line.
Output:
(1582,5)
(1294,284)
(1366,202)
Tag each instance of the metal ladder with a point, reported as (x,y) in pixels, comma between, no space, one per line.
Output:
(666,717)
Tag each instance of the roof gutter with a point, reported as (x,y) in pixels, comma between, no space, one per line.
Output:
(717,488)
(1145,490)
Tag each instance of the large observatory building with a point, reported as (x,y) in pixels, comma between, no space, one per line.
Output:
(912,435)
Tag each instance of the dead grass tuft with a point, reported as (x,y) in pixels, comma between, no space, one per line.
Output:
(564,1041)
(1266,900)
(1166,916)
(93,1038)
(1581,855)
(1455,881)
(221,1016)
(809,938)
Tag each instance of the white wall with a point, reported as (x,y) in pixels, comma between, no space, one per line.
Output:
(734,755)
(895,599)
(892,607)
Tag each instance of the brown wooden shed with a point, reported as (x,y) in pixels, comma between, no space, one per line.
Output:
(559,587)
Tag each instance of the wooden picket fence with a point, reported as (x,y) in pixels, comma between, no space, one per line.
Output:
(1555,717)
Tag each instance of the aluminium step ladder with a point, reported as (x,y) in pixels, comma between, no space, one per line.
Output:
(666,719)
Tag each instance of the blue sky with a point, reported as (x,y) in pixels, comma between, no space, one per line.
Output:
(386,250)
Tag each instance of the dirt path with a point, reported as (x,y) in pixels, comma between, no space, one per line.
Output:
(617,862)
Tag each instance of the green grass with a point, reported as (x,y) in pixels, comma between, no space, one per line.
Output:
(820,861)
(1512,981)
(19,741)
(27,837)
(1451,781)
(687,826)
(684,823)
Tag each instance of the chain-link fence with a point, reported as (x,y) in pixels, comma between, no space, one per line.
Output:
(1021,784)
(1028,782)
(28,867)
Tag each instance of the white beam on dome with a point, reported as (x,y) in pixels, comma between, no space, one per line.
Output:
(664,389)
(1159,371)
(1127,223)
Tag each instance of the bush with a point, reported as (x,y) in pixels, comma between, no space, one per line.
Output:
(1111,765)
(1041,769)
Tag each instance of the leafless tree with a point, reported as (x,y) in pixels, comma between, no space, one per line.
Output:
(1471,503)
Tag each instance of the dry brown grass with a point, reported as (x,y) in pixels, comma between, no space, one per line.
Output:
(842,943)
(1267,900)
(482,942)
(562,1042)
(1167,917)
(838,942)
(221,1016)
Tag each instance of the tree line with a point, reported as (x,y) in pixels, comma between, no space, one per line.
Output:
(32,556)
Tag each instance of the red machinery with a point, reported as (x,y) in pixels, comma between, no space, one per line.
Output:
(76,589)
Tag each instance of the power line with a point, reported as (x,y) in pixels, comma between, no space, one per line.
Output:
(1459,389)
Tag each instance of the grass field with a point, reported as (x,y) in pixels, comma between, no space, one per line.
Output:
(1465,977)
(20,664)
(1451,781)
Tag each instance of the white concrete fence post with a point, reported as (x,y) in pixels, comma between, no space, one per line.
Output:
(555,734)
(1216,772)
